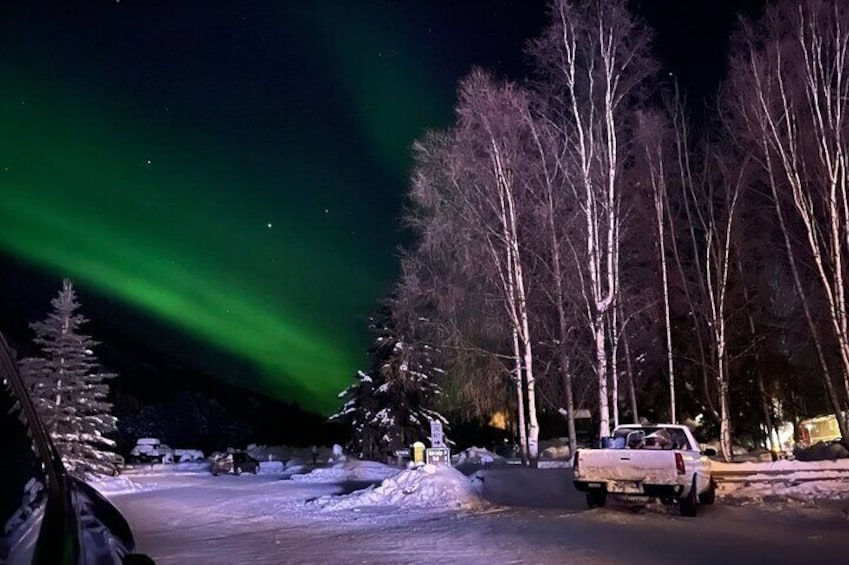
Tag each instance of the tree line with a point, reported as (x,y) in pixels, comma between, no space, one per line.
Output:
(581,242)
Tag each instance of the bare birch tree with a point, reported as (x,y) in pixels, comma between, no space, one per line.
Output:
(483,195)
(711,193)
(653,140)
(554,206)
(792,83)
(598,55)
(489,127)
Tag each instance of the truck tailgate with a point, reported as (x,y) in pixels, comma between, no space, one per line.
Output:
(636,465)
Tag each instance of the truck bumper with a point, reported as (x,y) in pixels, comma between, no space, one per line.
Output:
(663,492)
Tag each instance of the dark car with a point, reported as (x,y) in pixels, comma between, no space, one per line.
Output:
(46,515)
(237,463)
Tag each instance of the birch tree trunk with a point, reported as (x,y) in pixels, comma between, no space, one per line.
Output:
(520,400)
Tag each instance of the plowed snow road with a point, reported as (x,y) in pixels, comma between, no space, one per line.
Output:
(197,518)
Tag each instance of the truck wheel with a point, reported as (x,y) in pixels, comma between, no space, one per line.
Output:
(596,498)
(709,496)
(689,504)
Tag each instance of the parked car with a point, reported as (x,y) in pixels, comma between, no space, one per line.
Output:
(640,463)
(237,463)
(151,450)
(47,515)
(183,455)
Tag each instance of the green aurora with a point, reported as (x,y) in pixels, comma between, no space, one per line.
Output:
(233,172)
(252,260)
(166,237)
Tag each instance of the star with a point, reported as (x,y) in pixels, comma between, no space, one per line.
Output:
(269,225)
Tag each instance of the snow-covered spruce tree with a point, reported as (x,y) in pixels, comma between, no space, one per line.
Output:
(391,405)
(69,390)
(358,409)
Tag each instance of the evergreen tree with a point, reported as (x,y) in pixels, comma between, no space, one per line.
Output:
(358,409)
(390,406)
(69,390)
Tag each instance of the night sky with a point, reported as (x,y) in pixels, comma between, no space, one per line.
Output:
(224,178)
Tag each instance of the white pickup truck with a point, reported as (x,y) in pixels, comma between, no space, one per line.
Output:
(640,463)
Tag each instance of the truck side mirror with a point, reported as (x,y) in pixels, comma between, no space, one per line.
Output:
(709,452)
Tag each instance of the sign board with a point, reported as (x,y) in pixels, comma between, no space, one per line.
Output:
(402,453)
(438,456)
(437,439)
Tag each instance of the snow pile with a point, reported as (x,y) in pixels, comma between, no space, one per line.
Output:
(784,465)
(428,486)
(554,464)
(737,450)
(271,467)
(475,455)
(170,468)
(800,489)
(350,470)
(114,485)
(558,452)
(286,453)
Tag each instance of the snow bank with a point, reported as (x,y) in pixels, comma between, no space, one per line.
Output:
(784,465)
(165,469)
(423,487)
(114,485)
(286,453)
(271,467)
(350,470)
(556,452)
(554,463)
(785,488)
(475,455)
(792,480)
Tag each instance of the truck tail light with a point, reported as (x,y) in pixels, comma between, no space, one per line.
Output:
(679,464)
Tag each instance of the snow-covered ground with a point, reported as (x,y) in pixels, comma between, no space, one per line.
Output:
(116,485)
(349,470)
(793,481)
(503,514)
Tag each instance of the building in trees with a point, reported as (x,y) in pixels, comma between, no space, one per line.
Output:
(390,406)
(69,390)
